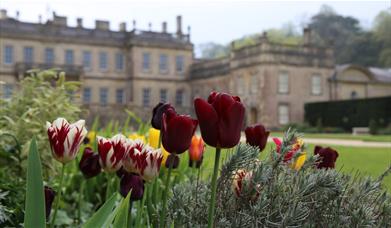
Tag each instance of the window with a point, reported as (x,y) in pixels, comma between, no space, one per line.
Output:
(283,82)
(28,54)
(8,88)
(49,56)
(283,114)
(179,97)
(8,54)
(86,95)
(103,94)
(119,96)
(180,63)
(254,84)
(87,59)
(163,95)
(103,61)
(146,97)
(146,61)
(353,95)
(69,57)
(163,62)
(119,61)
(316,88)
(240,84)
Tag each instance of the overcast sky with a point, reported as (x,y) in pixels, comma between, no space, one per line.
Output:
(217,21)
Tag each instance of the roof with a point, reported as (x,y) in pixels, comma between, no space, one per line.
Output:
(377,74)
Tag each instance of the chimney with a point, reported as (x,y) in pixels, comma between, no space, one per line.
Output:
(179,25)
(134,24)
(3,14)
(263,37)
(17,15)
(79,22)
(40,19)
(102,25)
(307,36)
(150,26)
(164,27)
(122,27)
(58,20)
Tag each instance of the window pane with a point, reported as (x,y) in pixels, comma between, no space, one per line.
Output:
(69,57)
(254,84)
(283,114)
(180,63)
(146,61)
(179,98)
(146,97)
(103,60)
(7,91)
(163,62)
(119,61)
(120,96)
(87,58)
(8,54)
(103,93)
(49,56)
(163,95)
(28,54)
(283,82)
(316,85)
(86,95)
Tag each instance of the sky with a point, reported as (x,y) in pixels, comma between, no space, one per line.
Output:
(219,21)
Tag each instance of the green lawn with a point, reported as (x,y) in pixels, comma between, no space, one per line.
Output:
(368,161)
(372,138)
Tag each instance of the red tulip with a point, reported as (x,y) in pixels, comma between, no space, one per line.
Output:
(243,185)
(134,183)
(177,132)
(158,112)
(196,151)
(221,119)
(65,139)
(295,148)
(328,157)
(256,135)
(89,163)
(111,151)
(49,198)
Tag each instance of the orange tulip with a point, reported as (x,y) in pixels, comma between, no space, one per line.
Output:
(196,151)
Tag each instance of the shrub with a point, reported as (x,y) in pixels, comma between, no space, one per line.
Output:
(373,127)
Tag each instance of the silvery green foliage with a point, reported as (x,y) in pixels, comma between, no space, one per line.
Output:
(283,197)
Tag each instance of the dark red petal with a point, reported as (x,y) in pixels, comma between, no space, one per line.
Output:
(208,120)
(180,130)
(317,149)
(230,125)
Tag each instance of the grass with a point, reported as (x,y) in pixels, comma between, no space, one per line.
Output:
(369,138)
(368,161)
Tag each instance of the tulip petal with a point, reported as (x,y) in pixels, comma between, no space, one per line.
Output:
(230,125)
(208,121)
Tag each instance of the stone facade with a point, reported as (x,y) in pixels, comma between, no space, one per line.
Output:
(134,69)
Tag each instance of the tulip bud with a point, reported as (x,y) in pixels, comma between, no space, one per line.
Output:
(65,139)
(157,115)
(327,157)
(256,135)
(173,161)
(134,183)
(153,162)
(111,151)
(221,119)
(49,198)
(243,187)
(89,163)
(295,149)
(177,132)
(196,151)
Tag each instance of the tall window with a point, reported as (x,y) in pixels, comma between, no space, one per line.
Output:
(49,56)
(283,114)
(283,82)
(240,84)
(103,60)
(146,61)
(163,62)
(254,84)
(180,63)
(146,97)
(69,58)
(87,95)
(316,88)
(8,89)
(87,59)
(119,96)
(28,54)
(119,61)
(103,96)
(163,95)
(179,97)
(8,54)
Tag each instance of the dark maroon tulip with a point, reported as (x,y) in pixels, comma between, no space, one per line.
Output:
(157,114)
(173,161)
(132,182)
(49,198)
(221,119)
(177,132)
(256,135)
(121,172)
(327,157)
(89,163)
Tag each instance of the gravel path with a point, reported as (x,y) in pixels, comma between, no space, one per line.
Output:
(345,142)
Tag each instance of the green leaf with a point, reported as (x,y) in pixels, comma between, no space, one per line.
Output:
(35,201)
(121,219)
(104,216)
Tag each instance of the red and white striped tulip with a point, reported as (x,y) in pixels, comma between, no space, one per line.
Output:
(65,138)
(112,151)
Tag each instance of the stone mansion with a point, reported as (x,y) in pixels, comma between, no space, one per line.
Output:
(136,69)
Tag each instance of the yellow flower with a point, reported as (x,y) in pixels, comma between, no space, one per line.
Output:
(165,155)
(135,136)
(91,136)
(299,161)
(154,137)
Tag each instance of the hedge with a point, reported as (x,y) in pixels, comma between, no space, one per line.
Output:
(349,113)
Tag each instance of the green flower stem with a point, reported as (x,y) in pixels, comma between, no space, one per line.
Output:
(80,201)
(214,185)
(166,186)
(108,186)
(59,190)
(130,214)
